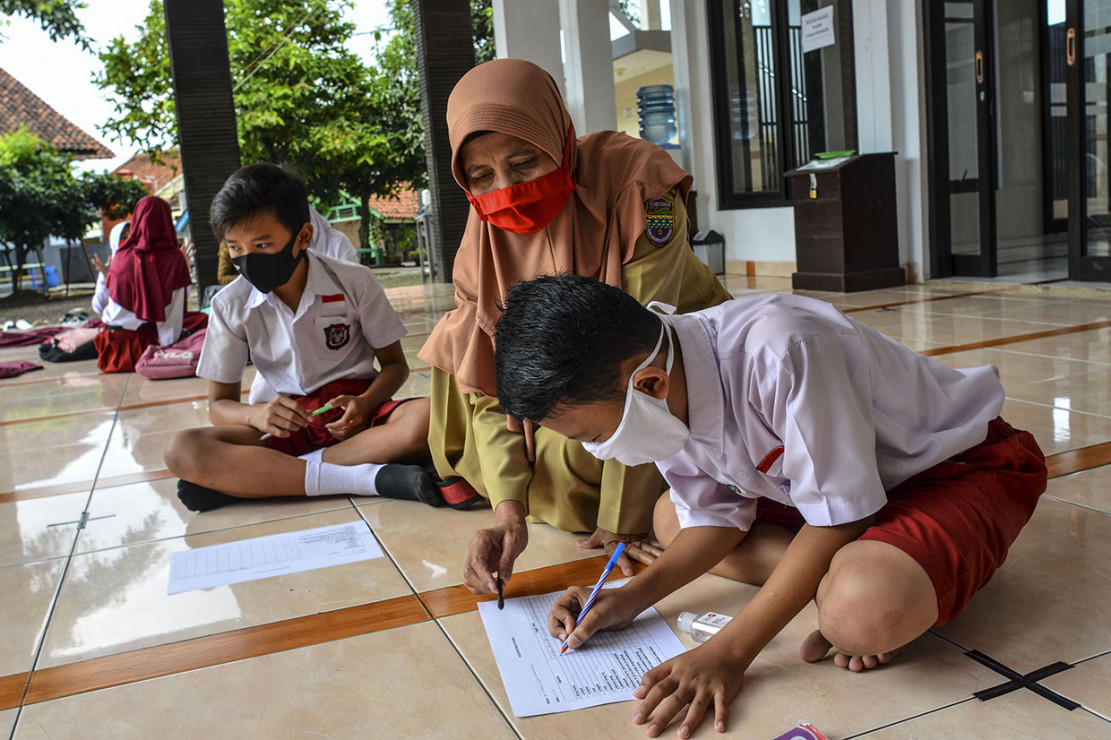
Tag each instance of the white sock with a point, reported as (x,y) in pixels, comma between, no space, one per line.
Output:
(323,479)
(317,454)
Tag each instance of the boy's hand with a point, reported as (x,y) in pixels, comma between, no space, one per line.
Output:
(279,417)
(355,415)
(494,550)
(611,611)
(638,547)
(704,677)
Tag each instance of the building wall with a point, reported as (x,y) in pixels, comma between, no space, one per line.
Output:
(890,112)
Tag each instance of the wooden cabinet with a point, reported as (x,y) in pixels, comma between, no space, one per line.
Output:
(845,224)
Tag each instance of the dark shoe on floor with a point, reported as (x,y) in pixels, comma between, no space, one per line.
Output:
(198,498)
(408,483)
(458,493)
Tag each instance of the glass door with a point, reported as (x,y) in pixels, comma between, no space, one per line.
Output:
(1088,59)
(961,107)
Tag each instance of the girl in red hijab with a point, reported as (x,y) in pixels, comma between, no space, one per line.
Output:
(147,283)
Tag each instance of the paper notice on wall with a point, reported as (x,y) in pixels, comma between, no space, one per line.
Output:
(272,555)
(817,29)
(539,680)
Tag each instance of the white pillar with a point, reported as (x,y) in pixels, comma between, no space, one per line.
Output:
(588,65)
(529,29)
(873,75)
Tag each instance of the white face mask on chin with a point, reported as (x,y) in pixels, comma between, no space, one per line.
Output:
(648,431)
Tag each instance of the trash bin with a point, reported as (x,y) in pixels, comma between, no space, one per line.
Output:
(709,247)
(846,224)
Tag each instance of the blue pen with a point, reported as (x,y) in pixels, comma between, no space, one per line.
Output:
(597,588)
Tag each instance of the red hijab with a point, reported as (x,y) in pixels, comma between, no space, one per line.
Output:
(149,266)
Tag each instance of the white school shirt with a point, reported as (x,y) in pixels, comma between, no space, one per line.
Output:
(168,331)
(342,317)
(330,241)
(855,412)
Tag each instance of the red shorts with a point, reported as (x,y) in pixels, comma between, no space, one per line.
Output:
(314,436)
(959,518)
(117,350)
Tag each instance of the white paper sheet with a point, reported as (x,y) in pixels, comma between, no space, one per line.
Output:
(273,555)
(817,29)
(605,670)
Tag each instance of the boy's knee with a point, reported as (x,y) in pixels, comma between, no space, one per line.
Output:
(413,418)
(665,522)
(183,452)
(868,603)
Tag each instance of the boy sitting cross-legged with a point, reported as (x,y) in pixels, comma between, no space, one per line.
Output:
(314,328)
(806,453)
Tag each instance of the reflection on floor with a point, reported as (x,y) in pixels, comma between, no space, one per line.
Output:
(94,647)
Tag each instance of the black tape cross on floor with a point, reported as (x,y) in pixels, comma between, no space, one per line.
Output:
(1019,681)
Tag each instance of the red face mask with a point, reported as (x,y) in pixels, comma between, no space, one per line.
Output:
(528,207)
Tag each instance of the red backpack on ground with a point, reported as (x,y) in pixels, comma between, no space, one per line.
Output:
(179,360)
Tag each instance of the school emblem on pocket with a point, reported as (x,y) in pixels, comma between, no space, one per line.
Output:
(336,336)
(660,217)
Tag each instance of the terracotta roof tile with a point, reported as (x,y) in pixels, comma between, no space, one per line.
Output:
(20,105)
(154,176)
(402,207)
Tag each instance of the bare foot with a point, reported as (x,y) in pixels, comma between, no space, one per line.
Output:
(816,646)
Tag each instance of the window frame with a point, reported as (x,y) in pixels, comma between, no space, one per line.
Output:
(785,143)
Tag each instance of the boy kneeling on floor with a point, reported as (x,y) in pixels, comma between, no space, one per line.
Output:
(806,453)
(313,326)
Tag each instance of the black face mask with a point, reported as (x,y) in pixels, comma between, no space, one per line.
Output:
(269,271)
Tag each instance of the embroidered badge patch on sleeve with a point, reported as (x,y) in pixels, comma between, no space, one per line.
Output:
(336,336)
(660,216)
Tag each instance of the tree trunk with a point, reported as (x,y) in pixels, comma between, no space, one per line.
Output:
(17,272)
(42,269)
(364,223)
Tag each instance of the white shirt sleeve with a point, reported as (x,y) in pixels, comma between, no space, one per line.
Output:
(701,501)
(381,324)
(100,295)
(170,329)
(224,355)
(822,409)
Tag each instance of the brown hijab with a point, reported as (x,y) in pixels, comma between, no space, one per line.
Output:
(594,234)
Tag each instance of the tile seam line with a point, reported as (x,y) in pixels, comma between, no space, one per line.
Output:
(931,299)
(49,616)
(246,650)
(1075,329)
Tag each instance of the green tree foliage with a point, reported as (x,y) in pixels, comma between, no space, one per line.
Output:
(57,17)
(40,196)
(302,97)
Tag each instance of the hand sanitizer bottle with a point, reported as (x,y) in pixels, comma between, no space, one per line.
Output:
(702,628)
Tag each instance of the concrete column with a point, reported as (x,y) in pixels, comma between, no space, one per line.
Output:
(873,75)
(529,29)
(588,65)
(444,54)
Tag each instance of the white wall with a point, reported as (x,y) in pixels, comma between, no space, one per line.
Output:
(891,109)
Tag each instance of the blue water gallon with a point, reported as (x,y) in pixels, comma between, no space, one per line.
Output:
(656,109)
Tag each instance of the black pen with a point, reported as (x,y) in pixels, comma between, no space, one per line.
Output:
(501,593)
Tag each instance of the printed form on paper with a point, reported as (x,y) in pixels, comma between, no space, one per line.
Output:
(606,669)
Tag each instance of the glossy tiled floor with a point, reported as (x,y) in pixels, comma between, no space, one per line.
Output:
(94,648)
